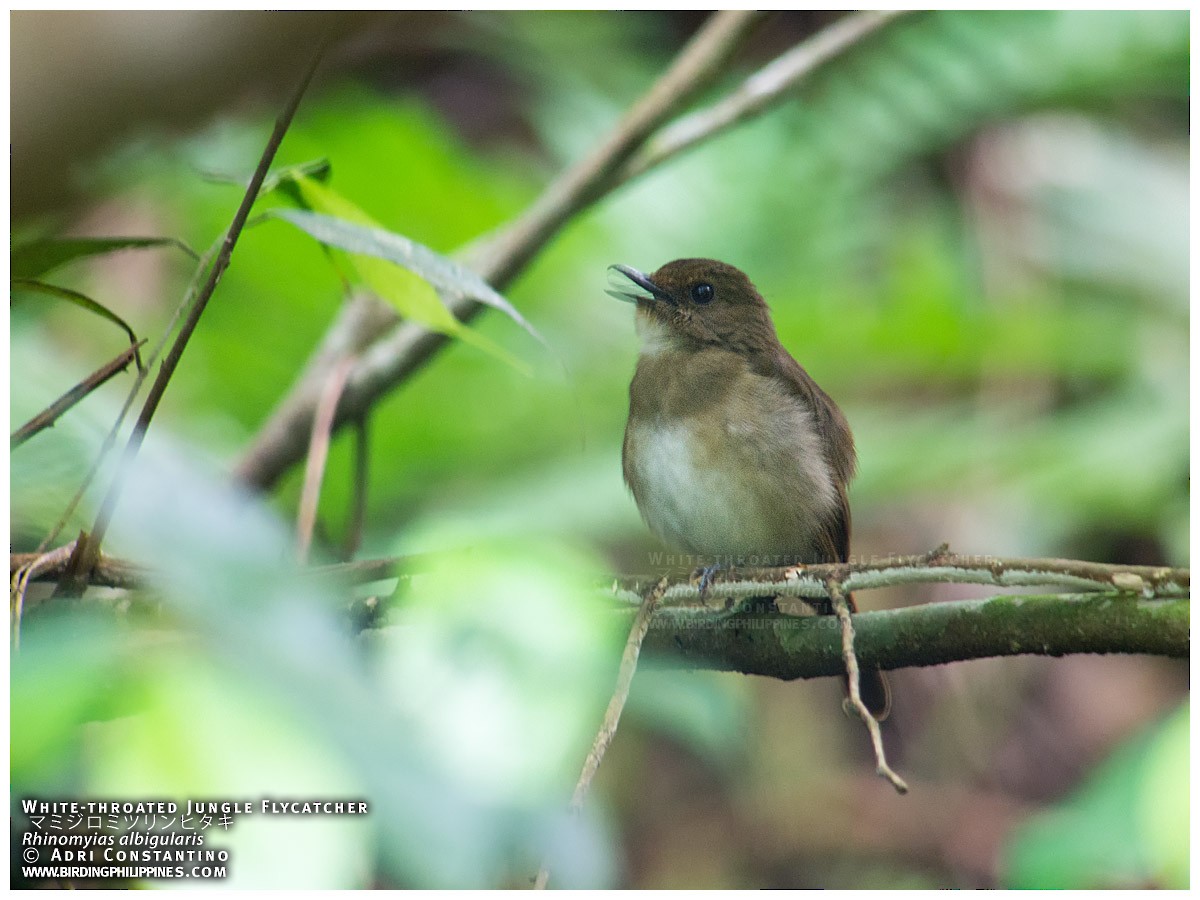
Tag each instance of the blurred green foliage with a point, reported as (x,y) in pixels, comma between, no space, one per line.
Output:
(972,230)
(1127,826)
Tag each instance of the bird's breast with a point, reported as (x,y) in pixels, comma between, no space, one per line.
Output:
(725,463)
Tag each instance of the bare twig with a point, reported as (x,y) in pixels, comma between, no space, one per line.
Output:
(761,90)
(19,582)
(683,594)
(842,609)
(48,416)
(941,566)
(318,452)
(498,258)
(110,439)
(612,715)
(88,548)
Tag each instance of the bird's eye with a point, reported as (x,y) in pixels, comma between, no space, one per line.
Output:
(702,292)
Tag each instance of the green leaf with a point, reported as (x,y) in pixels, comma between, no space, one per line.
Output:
(361,235)
(358,233)
(283,178)
(39,257)
(286,178)
(62,293)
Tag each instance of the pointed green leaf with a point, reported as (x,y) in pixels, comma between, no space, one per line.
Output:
(359,233)
(397,277)
(62,293)
(39,257)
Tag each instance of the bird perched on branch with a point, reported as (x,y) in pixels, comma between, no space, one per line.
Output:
(732,451)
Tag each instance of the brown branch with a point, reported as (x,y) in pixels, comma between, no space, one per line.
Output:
(88,548)
(683,596)
(51,414)
(940,566)
(717,634)
(110,439)
(109,571)
(756,94)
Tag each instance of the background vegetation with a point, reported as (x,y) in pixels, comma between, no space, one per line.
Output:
(972,230)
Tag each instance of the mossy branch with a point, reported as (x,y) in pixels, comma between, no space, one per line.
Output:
(809,646)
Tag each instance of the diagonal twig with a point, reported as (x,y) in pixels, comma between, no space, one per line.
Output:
(842,609)
(110,439)
(88,547)
(51,414)
(757,93)
(314,470)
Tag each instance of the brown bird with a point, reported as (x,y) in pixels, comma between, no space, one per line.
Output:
(732,451)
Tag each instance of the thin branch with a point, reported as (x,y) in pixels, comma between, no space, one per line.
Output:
(318,453)
(501,257)
(940,566)
(110,439)
(842,609)
(683,596)
(89,547)
(19,582)
(767,86)
(612,715)
(51,414)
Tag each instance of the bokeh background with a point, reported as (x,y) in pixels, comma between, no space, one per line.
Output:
(972,230)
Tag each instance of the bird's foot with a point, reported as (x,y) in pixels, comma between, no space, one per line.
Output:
(704,577)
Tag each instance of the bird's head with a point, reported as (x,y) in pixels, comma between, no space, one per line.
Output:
(690,303)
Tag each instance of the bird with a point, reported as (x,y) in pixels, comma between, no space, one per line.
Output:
(731,450)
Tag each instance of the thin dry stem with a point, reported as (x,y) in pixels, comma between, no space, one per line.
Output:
(111,438)
(842,609)
(318,453)
(19,582)
(52,413)
(769,85)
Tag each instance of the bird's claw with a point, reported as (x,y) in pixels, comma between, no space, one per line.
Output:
(705,575)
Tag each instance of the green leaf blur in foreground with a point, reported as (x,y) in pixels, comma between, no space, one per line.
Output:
(38,257)
(1126,827)
(406,274)
(462,729)
(503,657)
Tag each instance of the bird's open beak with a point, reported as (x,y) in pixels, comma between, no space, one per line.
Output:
(618,286)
